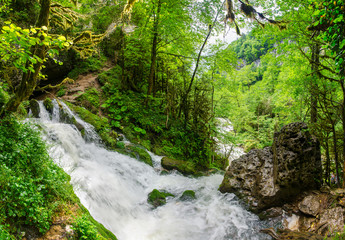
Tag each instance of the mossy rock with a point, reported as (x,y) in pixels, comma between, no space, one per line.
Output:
(129,133)
(140,154)
(35,108)
(100,124)
(146,144)
(99,227)
(183,167)
(157,198)
(188,195)
(158,150)
(48,104)
(164,172)
(65,117)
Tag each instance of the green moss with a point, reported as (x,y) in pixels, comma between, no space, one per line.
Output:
(99,227)
(157,198)
(140,154)
(183,167)
(120,145)
(91,64)
(157,149)
(111,76)
(129,133)
(48,104)
(90,100)
(100,124)
(188,195)
(146,144)
(35,108)
(61,92)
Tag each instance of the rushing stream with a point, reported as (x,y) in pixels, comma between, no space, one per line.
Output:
(114,188)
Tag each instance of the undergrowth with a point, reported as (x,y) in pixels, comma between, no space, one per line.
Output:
(31,185)
(148,125)
(33,189)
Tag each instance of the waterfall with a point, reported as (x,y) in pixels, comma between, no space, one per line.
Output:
(227,149)
(114,188)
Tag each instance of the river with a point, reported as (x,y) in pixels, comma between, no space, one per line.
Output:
(114,188)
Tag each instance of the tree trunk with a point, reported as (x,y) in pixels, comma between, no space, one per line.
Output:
(343,121)
(335,149)
(328,164)
(30,79)
(154,49)
(313,91)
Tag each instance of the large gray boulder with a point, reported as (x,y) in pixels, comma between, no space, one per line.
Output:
(275,175)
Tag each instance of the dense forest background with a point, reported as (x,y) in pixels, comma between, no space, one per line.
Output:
(167,73)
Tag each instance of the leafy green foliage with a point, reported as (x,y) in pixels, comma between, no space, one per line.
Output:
(4,235)
(91,64)
(16,45)
(84,229)
(331,18)
(61,92)
(250,48)
(90,100)
(31,184)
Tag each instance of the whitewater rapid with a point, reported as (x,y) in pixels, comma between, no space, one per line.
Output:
(114,188)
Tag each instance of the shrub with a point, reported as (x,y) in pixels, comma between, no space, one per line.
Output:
(84,229)
(31,184)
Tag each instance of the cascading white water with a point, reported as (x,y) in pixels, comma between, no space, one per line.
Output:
(114,188)
(227,149)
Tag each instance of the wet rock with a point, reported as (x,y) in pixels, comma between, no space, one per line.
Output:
(158,198)
(139,153)
(275,175)
(188,195)
(65,117)
(183,167)
(270,213)
(48,104)
(35,108)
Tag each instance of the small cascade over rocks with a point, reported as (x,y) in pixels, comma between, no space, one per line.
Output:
(225,148)
(115,188)
(63,114)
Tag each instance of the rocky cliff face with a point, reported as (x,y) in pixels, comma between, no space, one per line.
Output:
(276,175)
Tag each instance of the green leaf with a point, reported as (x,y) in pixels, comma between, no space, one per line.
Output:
(342,44)
(339,19)
(316,13)
(116,124)
(62,38)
